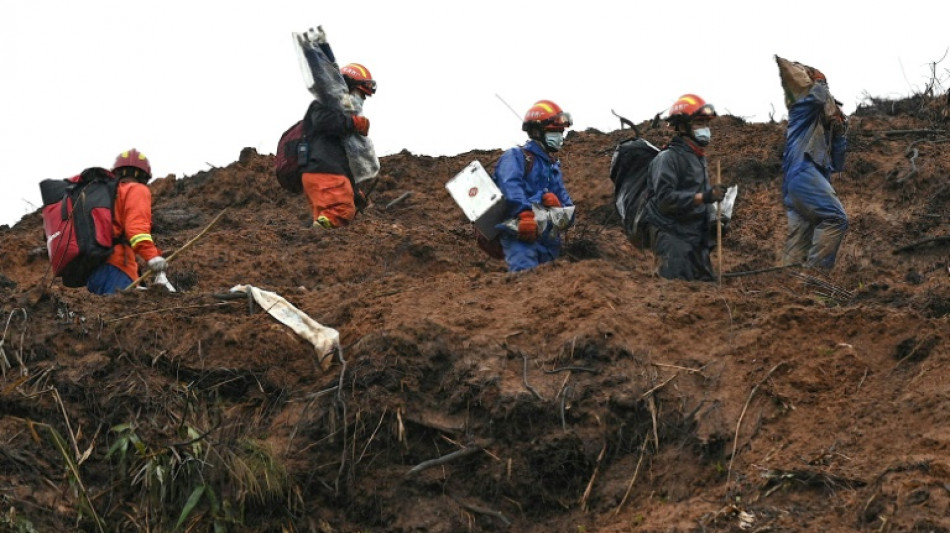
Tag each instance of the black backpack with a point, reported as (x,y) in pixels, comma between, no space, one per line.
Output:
(77,220)
(630,174)
(293,151)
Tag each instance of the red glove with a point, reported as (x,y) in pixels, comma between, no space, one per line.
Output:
(549,199)
(361,125)
(527,227)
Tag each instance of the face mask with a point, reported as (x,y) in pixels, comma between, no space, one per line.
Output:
(553,140)
(355,101)
(702,135)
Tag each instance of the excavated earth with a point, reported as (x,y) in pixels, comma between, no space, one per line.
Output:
(587,395)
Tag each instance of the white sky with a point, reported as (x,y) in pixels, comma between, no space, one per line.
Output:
(190,83)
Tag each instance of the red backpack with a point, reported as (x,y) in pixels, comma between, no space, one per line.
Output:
(293,150)
(77,219)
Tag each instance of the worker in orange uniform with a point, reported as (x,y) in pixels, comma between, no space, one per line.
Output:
(131,227)
(327,180)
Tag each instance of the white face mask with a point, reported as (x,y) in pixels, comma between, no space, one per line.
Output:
(553,140)
(354,102)
(702,135)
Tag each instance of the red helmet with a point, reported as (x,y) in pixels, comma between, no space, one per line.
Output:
(358,76)
(688,107)
(546,115)
(132,159)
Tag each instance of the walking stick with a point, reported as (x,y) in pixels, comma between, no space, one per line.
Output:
(719,226)
(178,251)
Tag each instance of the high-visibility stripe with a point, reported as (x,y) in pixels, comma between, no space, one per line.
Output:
(139,238)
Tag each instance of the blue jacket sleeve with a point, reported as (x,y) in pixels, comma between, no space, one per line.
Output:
(509,175)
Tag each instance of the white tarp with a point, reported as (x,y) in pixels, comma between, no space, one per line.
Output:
(325,340)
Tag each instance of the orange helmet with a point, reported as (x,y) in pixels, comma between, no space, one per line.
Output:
(688,107)
(128,162)
(358,76)
(546,115)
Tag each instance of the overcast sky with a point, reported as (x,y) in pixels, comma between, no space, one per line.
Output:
(191,83)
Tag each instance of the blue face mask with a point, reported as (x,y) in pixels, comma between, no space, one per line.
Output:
(702,135)
(553,140)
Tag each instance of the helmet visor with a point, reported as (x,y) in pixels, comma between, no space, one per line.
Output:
(367,86)
(558,122)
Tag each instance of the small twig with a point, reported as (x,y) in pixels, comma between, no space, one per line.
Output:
(572,369)
(468,450)
(182,249)
(911,246)
(633,480)
(486,512)
(660,386)
(593,477)
(760,271)
(894,133)
(651,403)
(735,441)
(862,378)
(371,437)
(683,368)
(398,199)
(525,378)
(153,311)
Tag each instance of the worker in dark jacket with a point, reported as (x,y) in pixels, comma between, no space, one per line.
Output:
(814,148)
(530,177)
(327,180)
(680,194)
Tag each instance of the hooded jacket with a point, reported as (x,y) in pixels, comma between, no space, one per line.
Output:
(677,174)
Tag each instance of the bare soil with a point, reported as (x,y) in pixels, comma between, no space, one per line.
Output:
(587,395)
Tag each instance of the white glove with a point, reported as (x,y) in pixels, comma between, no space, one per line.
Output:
(157,264)
(317,35)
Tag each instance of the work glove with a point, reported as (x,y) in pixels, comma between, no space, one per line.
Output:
(157,264)
(549,199)
(361,125)
(527,226)
(714,194)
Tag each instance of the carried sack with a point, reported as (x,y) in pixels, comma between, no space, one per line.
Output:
(293,150)
(77,220)
(630,174)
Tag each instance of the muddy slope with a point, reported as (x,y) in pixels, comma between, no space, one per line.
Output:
(588,395)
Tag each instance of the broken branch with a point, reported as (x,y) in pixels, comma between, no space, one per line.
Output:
(735,441)
(468,450)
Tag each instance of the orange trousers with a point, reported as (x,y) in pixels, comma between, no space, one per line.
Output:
(331,196)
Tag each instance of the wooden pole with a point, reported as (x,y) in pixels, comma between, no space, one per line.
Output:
(178,251)
(719,225)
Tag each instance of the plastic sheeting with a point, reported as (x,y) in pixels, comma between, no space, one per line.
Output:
(325,341)
(323,79)
(552,221)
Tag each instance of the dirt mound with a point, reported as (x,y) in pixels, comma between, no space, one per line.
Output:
(587,395)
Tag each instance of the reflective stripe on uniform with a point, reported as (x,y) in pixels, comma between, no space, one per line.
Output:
(136,239)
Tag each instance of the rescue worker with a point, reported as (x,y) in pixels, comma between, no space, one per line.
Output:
(815,146)
(327,180)
(131,227)
(530,176)
(680,194)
